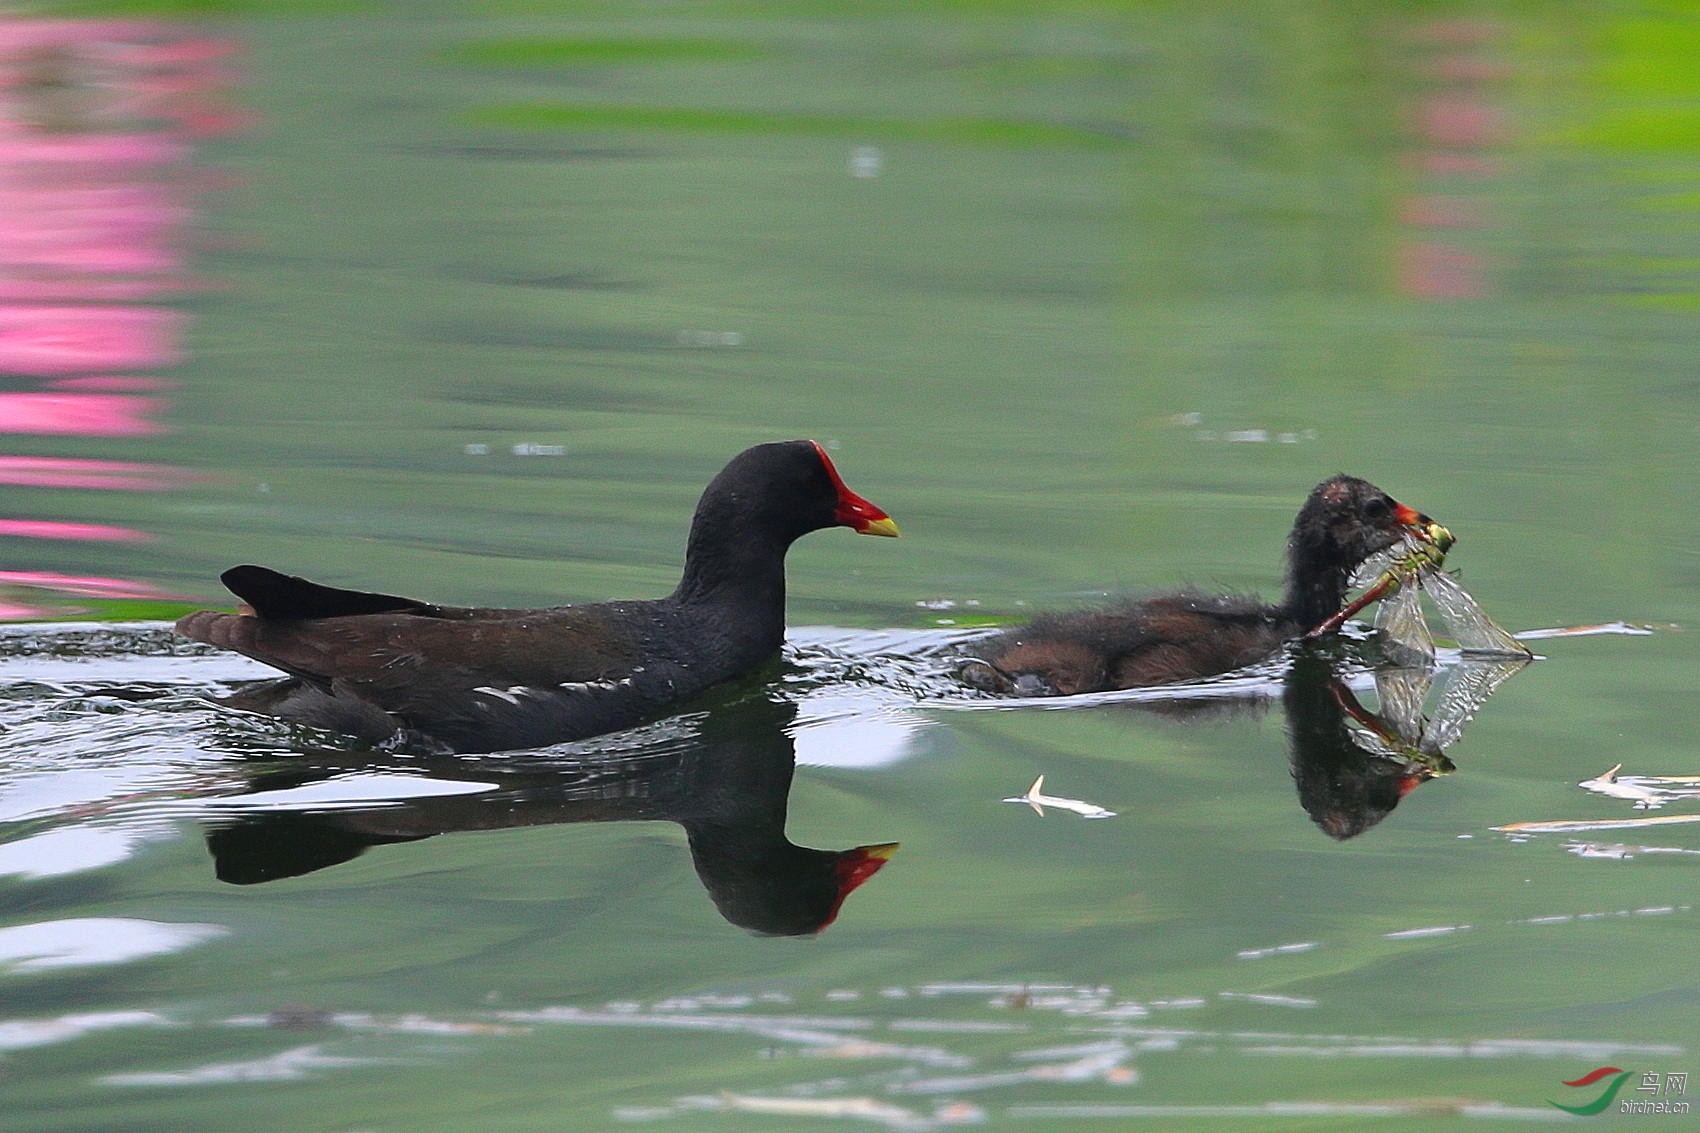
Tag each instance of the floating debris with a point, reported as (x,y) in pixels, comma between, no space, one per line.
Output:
(866,1108)
(1578,826)
(1038,800)
(1420,933)
(1245,435)
(1266,999)
(1647,792)
(1266,1110)
(1621,629)
(858,1109)
(1101,1062)
(1605,783)
(1276,950)
(17,1034)
(1622,851)
(294,1065)
(1572,918)
(866,162)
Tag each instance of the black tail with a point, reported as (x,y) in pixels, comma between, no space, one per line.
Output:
(286,597)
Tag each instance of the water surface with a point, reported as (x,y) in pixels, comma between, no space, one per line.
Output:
(471,308)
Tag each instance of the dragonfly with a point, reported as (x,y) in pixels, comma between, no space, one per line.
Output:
(1398,577)
(1402,730)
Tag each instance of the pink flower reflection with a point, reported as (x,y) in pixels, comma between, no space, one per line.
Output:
(11,612)
(78,414)
(1465,69)
(114,384)
(88,149)
(94,587)
(48,341)
(183,52)
(1463,121)
(1440,212)
(97,475)
(52,290)
(1451,163)
(32,35)
(1459,31)
(88,233)
(1439,271)
(113,256)
(96,118)
(78,532)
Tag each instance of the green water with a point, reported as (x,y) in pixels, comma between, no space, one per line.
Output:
(1125,281)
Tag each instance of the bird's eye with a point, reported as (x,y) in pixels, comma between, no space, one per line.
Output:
(1378,508)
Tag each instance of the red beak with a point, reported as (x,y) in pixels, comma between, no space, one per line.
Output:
(854,867)
(853,511)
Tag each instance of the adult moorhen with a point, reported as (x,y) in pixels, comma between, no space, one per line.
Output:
(1184,636)
(726,780)
(405,673)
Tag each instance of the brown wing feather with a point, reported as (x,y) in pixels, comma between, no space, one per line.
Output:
(404,662)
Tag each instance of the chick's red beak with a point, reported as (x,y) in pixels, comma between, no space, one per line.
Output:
(853,511)
(1422,527)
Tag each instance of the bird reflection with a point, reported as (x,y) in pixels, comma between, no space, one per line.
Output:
(727,783)
(1352,766)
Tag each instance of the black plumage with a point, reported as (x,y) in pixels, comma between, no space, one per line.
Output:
(395,670)
(1135,642)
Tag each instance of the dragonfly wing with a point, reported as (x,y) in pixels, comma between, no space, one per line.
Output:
(1468,685)
(1469,625)
(1400,619)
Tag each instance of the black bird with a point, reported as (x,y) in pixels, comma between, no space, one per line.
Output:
(1345,788)
(727,783)
(1177,637)
(406,673)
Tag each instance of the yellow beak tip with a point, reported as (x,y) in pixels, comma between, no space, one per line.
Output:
(879,527)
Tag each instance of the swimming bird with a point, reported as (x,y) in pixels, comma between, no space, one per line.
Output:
(724,775)
(405,673)
(1135,642)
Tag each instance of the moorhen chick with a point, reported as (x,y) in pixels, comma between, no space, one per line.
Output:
(1178,637)
(1345,787)
(404,673)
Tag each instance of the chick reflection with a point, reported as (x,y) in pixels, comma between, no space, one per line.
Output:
(727,786)
(1352,766)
